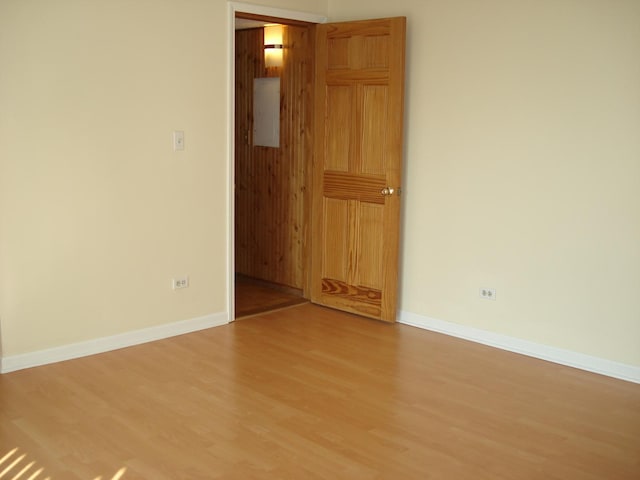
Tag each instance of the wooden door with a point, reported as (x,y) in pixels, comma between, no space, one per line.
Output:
(358,139)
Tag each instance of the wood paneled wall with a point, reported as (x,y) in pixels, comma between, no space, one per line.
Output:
(271,204)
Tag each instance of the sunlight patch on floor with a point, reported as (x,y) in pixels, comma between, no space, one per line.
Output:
(19,465)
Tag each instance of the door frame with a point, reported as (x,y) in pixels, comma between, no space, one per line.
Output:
(233,8)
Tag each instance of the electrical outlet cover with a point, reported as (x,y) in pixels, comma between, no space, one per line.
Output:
(488,293)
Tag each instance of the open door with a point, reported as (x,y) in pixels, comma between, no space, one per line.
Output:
(359,96)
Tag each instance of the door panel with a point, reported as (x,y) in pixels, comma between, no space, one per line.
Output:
(357,153)
(374,138)
(335,224)
(338,137)
(370,246)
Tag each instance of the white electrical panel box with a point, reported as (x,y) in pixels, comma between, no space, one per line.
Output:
(266,112)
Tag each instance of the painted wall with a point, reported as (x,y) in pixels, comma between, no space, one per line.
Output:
(97,212)
(523,167)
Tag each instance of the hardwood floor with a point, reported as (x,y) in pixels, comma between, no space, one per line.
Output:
(311,393)
(255,296)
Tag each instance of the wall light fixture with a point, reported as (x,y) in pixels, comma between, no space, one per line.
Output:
(273,46)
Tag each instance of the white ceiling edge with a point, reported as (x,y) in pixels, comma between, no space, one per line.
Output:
(245,24)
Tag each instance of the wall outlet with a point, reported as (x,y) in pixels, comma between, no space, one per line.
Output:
(488,293)
(179,282)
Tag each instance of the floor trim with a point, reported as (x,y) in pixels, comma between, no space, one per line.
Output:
(570,358)
(114,342)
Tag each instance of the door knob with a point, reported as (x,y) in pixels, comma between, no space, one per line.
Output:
(386,191)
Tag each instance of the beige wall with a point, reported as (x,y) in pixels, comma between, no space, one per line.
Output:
(97,213)
(523,167)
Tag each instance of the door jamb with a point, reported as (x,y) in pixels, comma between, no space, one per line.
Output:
(233,8)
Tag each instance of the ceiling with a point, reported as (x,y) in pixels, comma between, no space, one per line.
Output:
(245,23)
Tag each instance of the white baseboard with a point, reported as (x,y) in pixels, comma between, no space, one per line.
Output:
(602,366)
(105,344)
(557,355)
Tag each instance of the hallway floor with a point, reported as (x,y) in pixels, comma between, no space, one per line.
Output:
(254,297)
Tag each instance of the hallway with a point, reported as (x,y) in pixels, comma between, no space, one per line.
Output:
(256,296)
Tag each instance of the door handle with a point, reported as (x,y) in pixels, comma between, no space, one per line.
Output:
(387,191)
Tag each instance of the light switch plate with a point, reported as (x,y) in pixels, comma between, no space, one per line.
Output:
(178,140)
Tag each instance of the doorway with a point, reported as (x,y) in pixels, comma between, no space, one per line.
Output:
(271,184)
(359,98)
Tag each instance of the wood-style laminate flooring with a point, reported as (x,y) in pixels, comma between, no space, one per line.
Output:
(255,296)
(311,393)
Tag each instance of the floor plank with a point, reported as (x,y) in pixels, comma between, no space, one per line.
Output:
(255,296)
(311,393)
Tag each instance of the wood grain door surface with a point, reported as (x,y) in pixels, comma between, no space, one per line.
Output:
(359,98)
